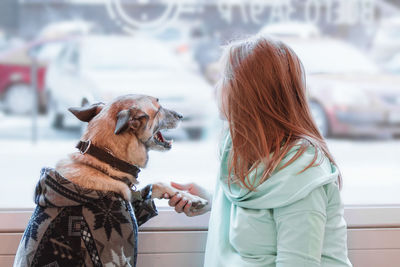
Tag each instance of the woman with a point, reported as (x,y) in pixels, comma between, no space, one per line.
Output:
(277,200)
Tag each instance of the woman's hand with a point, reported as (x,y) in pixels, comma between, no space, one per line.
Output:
(181,204)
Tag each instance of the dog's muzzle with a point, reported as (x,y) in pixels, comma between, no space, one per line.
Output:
(171,120)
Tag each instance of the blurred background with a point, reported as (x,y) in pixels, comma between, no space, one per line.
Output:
(55,54)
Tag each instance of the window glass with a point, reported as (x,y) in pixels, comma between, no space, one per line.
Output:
(170,50)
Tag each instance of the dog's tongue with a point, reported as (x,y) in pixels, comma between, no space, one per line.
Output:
(160,136)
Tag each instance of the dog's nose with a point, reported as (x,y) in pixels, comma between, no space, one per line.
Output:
(178,116)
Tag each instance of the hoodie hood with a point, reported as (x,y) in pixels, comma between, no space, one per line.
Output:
(284,186)
(54,190)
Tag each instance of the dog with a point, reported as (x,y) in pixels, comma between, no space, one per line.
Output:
(88,211)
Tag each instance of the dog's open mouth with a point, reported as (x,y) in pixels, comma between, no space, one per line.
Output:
(161,141)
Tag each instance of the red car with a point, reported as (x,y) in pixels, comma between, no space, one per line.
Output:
(15,75)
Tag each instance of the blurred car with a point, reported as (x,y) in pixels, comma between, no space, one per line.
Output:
(348,94)
(15,75)
(100,68)
(16,62)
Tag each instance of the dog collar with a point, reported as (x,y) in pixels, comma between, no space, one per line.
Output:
(86,147)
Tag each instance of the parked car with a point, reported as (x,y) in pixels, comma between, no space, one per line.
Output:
(15,75)
(348,94)
(15,65)
(100,68)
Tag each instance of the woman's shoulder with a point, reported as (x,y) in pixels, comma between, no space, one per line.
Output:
(301,153)
(315,201)
(301,144)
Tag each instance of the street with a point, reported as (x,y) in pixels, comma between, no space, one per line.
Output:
(370,168)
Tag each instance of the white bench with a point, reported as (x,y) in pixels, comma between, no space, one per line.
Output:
(172,240)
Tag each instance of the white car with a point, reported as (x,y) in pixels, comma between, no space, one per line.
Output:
(100,68)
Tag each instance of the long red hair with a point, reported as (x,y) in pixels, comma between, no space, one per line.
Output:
(265,104)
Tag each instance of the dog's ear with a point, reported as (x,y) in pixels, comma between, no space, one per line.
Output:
(133,118)
(87,113)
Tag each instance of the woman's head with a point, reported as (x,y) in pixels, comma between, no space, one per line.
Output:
(263,98)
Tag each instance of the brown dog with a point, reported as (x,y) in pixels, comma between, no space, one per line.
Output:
(87,213)
(128,128)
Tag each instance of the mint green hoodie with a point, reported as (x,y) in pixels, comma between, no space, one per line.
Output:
(291,219)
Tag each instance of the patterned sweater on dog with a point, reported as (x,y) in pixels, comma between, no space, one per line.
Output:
(73,226)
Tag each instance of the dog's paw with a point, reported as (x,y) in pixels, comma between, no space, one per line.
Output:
(198,203)
(159,189)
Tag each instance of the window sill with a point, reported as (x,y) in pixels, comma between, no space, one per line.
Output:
(13,221)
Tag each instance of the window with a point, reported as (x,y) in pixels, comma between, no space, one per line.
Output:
(170,49)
